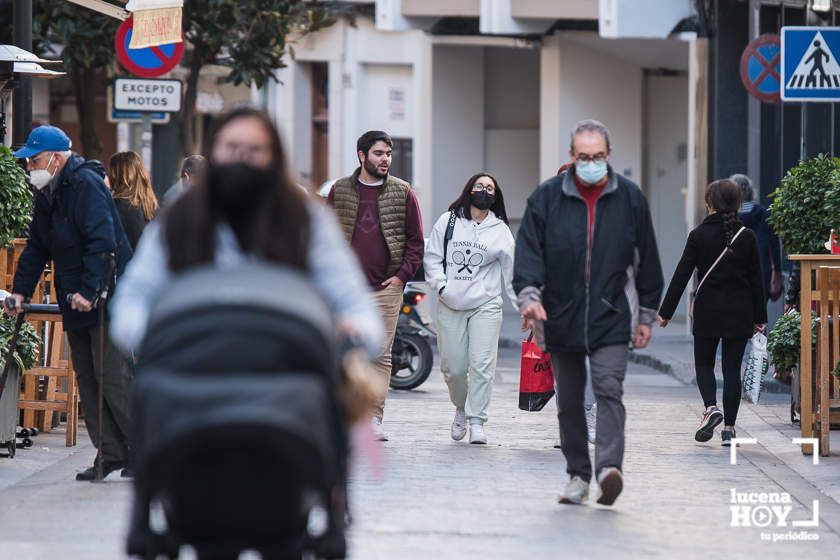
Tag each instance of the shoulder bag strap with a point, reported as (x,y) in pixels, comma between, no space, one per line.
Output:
(722,254)
(450,230)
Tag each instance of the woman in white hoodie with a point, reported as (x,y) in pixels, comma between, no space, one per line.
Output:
(469,261)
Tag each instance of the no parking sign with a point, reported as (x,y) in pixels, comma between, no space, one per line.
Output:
(147,62)
(760,68)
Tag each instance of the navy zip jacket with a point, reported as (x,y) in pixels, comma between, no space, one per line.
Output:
(552,256)
(75,225)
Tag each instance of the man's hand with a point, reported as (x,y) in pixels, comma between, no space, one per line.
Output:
(18,306)
(662,321)
(393,281)
(789,307)
(534,311)
(641,338)
(762,327)
(79,303)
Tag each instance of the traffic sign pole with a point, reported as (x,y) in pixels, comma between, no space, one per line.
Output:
(146,142)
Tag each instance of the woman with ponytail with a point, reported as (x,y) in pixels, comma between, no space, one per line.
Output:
(729,303)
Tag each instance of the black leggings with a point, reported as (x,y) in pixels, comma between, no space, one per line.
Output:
(705,349)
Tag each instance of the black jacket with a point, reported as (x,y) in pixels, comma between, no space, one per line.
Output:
(731,299)
(552,255)
(75,224)
(133,220)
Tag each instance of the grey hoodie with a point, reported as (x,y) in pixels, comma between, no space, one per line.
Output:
(479,259)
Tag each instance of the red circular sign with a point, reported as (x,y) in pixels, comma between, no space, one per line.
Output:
(760,68)
(148,62)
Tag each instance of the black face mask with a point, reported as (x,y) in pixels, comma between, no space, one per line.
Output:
(236,190)
(482,200)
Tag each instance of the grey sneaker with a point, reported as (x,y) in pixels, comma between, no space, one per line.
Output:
(711,418)
(576,492)
(611,484)
(591,418)
(477,434)
(459,425)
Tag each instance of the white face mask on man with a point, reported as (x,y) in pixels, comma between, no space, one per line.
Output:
(42,177)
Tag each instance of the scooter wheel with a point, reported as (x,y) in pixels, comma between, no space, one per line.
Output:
(413,365)
(27,442)
(33,432)
(23,433)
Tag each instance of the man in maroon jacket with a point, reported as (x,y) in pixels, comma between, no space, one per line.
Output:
(380,217)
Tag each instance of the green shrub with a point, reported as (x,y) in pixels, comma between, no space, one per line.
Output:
(784,341)
(26,349)
(15,199)
(806,206)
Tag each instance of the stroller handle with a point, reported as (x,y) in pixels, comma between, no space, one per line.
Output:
(47,308)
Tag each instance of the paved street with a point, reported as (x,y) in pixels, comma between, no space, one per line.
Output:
(441,499)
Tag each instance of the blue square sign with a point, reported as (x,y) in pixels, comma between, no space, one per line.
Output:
(810,71)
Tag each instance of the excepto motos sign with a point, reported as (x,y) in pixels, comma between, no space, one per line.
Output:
(133,94)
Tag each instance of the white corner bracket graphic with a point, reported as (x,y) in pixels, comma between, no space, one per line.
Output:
(733,448)
(812,441)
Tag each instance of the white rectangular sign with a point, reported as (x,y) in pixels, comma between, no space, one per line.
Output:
(135,94)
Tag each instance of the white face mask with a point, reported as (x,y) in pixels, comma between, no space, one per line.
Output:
(41,177)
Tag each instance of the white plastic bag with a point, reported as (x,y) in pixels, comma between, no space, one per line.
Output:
(756,369)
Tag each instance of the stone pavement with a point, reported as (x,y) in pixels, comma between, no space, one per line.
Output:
(442,499)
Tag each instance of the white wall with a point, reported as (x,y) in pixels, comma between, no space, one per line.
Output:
(578,83)
(666,152)
(457,122)
(377,111)
(512,123)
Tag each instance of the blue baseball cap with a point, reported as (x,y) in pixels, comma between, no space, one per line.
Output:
(44,139)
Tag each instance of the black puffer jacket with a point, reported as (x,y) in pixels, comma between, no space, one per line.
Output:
(552,255)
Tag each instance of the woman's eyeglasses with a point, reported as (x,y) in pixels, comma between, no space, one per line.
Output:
(490,189)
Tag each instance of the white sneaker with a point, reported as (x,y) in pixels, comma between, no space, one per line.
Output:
(477,434)
(459,425)
(591,418)
(611,483)
(378,430)
(576,491)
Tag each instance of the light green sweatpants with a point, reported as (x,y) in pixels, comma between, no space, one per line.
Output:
(469,343)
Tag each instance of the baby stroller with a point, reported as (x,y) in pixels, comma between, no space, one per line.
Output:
(239,440)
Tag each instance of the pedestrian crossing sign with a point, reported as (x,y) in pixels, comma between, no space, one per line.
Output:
(810,68)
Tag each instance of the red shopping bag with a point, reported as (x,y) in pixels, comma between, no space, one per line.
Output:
(536,383)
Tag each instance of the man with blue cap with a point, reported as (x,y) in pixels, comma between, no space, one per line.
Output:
(76,226)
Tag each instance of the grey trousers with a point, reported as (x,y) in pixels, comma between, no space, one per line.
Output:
(84,349)
(608,367)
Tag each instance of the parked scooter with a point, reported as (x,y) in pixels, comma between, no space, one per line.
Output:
(411,356)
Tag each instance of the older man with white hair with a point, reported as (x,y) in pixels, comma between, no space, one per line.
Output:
(76,226)
(581,231)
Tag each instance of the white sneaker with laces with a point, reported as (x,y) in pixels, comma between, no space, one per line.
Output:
(459,425)
(477,434)
(378,430)
(576,492)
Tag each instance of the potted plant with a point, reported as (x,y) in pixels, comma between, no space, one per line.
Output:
(806,206)
(15,199)
(23,357)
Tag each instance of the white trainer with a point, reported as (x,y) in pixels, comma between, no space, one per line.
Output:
(459,425)
(477,434)
(576,492)
(378,430)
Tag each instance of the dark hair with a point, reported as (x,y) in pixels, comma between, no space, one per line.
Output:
(193,164)
(724,197)
(269,219)
(462,204)
(371,137)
